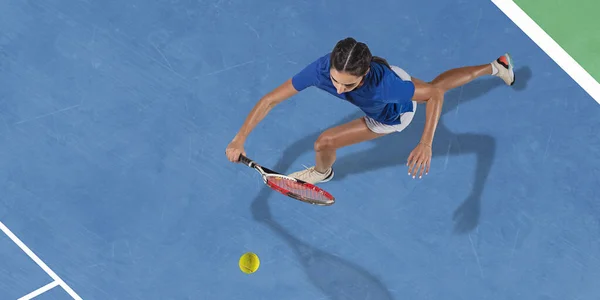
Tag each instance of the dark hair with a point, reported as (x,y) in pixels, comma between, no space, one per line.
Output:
(353,57)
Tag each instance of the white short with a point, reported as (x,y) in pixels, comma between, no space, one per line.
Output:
(405,118)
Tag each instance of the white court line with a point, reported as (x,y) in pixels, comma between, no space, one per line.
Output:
(38,261)
(40,291)
(550,47)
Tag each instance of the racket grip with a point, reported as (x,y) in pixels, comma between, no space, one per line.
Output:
(246,160)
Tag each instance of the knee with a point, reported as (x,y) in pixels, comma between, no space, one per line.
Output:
(325,142)
(438,90)
(428,90)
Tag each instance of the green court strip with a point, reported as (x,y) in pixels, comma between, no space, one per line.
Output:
(573,24)
(567,31)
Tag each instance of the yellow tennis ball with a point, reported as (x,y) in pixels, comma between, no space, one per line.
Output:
(249,263)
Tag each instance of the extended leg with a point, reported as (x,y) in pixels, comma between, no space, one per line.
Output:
(501,67)
(460,76)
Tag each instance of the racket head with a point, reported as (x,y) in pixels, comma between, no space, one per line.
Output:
(299,190)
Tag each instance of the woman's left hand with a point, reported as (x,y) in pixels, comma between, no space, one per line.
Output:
(419,160)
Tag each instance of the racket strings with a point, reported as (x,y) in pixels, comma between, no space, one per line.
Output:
(306,192)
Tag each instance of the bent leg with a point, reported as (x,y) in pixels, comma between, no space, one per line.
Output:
(326,145)
(353,132)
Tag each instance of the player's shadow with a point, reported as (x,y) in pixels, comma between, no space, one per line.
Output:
(335,277)
(390,150)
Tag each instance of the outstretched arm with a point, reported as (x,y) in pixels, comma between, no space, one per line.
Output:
(434,99)
(419,159)
(258,112)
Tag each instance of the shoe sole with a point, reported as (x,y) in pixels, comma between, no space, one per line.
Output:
(510,68)
(328,178)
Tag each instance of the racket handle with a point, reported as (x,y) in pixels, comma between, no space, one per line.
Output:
(246,160)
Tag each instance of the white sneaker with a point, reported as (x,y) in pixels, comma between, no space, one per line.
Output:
(311,175)
(504,65)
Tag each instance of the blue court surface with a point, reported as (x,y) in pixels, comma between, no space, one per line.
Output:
(115,116)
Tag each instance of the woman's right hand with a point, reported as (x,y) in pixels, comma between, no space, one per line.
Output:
(234,149)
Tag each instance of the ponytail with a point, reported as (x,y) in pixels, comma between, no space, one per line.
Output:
(381,61)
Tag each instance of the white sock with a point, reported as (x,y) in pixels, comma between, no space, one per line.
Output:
(494,69)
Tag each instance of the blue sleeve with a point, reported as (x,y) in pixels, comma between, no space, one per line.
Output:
(309,76)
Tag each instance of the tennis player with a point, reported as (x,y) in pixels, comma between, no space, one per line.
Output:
(386,94)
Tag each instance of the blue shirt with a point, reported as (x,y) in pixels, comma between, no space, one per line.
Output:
(383,96)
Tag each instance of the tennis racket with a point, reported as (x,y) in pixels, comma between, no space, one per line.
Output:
(291,187)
